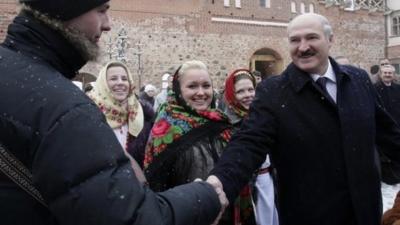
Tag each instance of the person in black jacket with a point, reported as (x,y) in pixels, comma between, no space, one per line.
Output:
(61,136)
(389,93)
(321,136)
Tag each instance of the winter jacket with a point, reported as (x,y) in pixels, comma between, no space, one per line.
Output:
(137,146)
(191,156)
(323,152)
(144,97)
(390,96)
(64,140)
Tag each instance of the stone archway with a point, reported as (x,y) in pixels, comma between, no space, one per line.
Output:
(267,61)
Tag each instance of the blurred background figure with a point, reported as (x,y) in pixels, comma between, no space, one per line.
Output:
(389,93)
(131,121)
(239,94)
(148,94)
(376,69)
(166,81)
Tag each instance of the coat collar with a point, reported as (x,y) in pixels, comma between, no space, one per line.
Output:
(31,37)
(299,78)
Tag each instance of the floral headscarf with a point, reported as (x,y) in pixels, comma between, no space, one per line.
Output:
(174,119)
(229,93)
(115,113)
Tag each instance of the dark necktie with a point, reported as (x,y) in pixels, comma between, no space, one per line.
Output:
(321,82)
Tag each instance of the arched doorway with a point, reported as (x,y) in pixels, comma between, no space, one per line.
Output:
(267,61)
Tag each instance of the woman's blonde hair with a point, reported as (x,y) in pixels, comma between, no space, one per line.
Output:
(194,64)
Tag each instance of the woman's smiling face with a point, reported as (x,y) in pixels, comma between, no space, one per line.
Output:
(196,89)
(118,82)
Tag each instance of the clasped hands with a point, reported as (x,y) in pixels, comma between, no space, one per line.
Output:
(216,183)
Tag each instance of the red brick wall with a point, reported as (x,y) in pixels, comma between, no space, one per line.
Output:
(173,31)
(8,10)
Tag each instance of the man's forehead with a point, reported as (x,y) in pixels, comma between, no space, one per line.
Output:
(305,26)
(304,31)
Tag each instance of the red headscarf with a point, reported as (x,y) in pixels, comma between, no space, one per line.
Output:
(229,93)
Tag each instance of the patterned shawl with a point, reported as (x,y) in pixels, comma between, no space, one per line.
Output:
(115,113)
(174,119)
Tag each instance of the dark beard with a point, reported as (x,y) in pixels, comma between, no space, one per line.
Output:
(90,51)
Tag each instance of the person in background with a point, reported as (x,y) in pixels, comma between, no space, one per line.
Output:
(383,62)
(389,93)
(162,96)
(61,137)
(319,122)
(239,94)
(148,94)
(130,120)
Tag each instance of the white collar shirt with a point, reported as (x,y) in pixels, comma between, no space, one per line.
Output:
(331,86)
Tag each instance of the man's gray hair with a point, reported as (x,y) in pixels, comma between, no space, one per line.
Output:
(326,26)
(328,31)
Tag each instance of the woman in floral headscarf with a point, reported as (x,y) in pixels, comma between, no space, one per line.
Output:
(189,133)
(239,94)
(130,119)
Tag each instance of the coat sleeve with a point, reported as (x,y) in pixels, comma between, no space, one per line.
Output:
(249,146)
(83,174)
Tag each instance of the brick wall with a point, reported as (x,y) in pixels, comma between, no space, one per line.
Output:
(8,10)
(173,31)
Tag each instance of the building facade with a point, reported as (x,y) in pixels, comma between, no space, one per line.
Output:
(393,33)
(156,36)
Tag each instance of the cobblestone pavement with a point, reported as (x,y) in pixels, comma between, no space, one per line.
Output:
(388,195)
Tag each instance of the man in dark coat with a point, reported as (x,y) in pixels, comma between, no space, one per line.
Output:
(60,135)
(320,137)
(389,93)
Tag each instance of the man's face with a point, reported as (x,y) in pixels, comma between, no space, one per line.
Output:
(308,45)
(92,23)
(387,75)
(151,93)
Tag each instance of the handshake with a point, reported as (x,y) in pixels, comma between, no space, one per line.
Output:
(216,183)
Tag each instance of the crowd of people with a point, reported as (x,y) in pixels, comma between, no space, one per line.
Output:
(309,146)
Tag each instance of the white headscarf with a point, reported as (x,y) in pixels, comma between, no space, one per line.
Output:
(115,113)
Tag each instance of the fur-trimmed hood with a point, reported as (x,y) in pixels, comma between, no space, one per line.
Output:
(45,39)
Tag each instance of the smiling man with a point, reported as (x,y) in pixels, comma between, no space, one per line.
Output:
(320,122)
(62,138)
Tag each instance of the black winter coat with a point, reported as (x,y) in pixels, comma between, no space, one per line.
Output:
(61,136)
(137,145)
(323,153)
(390,96)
